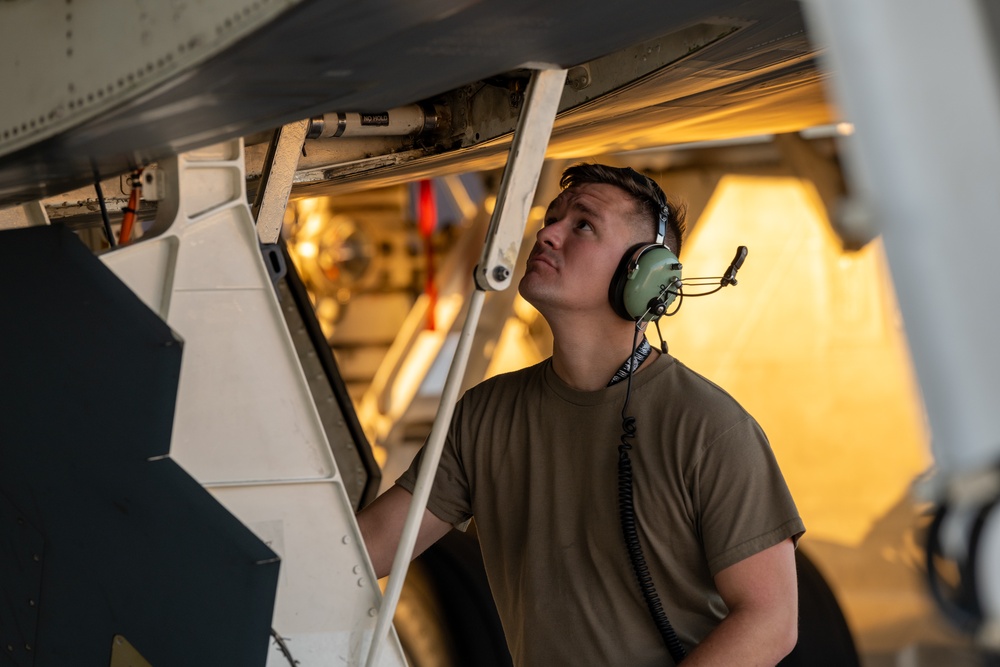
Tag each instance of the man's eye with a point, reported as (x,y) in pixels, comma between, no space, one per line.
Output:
(583,224)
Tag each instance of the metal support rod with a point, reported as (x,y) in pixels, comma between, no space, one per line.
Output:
(276,179)
(520,178)
(503,241)
(425,477)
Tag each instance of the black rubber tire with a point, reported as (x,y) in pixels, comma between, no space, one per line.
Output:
(446,615)
(824,637)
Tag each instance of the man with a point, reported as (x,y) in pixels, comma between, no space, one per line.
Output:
(533,456)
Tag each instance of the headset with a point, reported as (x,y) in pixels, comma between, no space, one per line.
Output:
(648,278)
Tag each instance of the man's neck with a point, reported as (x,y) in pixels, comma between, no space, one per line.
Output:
(586,357)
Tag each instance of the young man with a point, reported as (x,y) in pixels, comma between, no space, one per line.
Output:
(533,455)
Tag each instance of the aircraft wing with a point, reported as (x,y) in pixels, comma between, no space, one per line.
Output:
(174,78)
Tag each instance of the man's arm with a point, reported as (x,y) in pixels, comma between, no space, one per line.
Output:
(762,626)
(381,525)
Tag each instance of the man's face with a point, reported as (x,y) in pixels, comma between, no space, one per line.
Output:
(587,230)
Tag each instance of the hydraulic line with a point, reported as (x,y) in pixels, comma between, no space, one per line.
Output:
(104,213)
(129,212)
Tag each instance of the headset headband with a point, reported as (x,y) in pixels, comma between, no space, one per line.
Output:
(661,201)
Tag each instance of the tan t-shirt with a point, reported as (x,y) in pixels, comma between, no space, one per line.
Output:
(535,462)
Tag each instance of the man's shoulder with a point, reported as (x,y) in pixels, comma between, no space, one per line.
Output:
(697,393)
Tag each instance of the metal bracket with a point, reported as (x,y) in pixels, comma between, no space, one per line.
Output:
(520,178)
(276,179)
(274,261)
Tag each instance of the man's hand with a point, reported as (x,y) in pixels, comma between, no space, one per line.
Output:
(381,525)
(762,626)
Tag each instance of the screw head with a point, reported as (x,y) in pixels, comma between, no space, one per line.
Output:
(501,273)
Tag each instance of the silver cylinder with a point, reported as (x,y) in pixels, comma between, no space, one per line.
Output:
(402,121)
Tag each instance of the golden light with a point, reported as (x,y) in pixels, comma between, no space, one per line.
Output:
(312,226)
(416,365)
(810,342)
(524,310)
(845,129)
(307,249)
(309,205)
(514,349)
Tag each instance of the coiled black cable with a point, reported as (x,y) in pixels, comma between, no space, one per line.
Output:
(630,531)
(959,602)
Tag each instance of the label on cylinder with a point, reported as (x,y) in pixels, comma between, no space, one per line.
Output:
(375,119)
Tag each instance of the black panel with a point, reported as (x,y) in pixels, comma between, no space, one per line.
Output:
(130,544)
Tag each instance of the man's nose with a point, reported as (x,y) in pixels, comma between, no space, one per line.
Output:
(550,234)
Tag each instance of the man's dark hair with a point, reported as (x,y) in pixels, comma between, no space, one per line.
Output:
(648,196)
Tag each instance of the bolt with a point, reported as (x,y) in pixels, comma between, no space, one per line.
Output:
(501,273)
(346,539)
(31,603)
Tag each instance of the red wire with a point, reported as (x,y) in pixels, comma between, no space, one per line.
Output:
(426,223)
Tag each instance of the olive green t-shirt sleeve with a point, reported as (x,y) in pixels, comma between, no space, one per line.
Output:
(742,503)
(450,499)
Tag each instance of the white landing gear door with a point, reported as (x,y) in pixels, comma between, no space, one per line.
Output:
(245,424)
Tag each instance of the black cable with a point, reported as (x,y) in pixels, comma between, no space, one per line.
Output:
(707,293)
(283,647)
(104,213)
(679,300)
(961,615)
(626,512)
(663,341)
